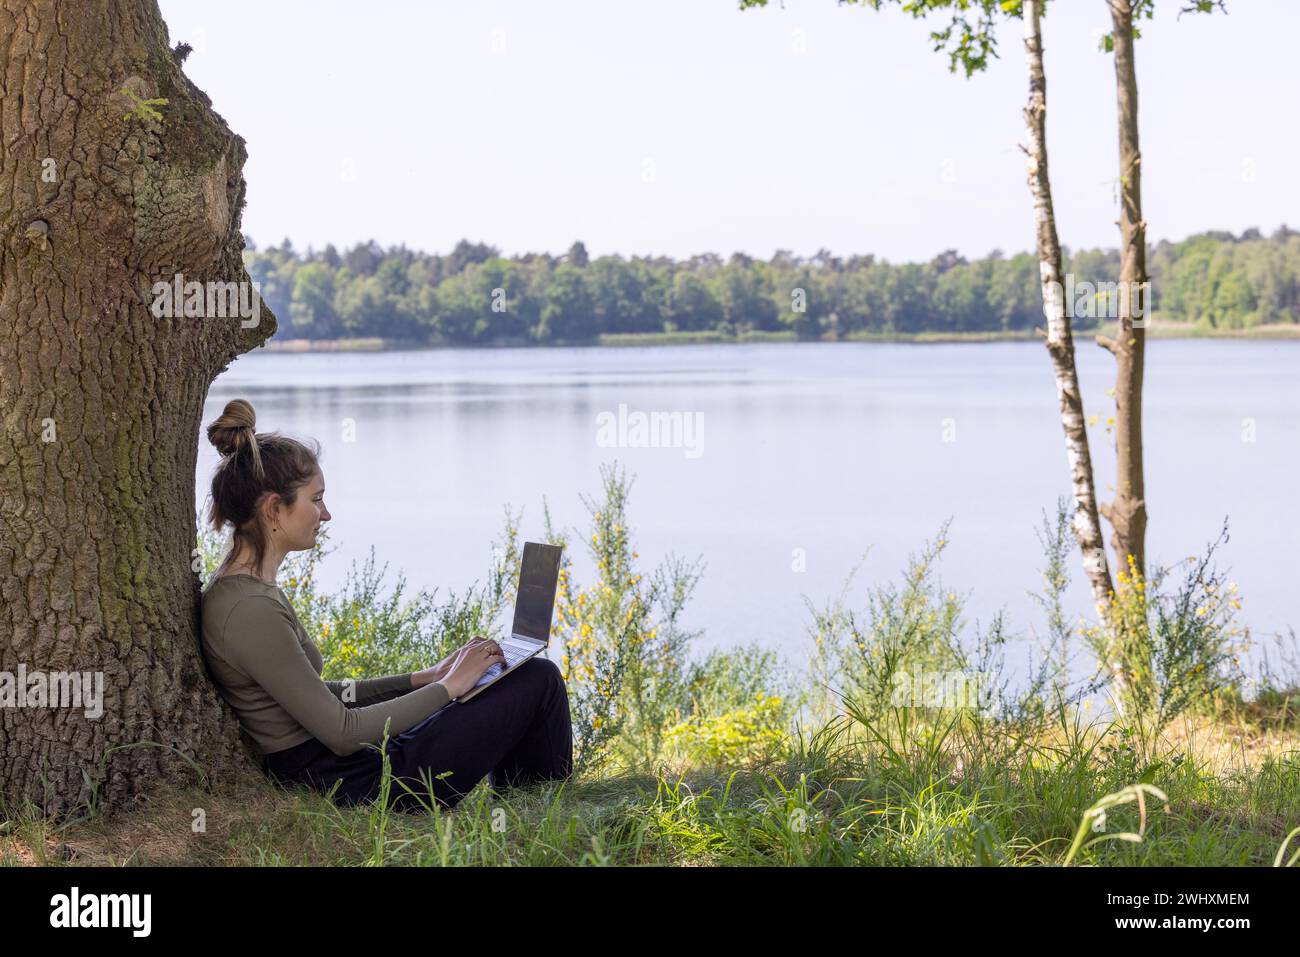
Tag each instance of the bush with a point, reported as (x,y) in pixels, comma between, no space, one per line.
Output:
(1178,648)
(739,736)
(908,630)
(624,647)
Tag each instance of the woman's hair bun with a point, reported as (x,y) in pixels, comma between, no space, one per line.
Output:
(235,428)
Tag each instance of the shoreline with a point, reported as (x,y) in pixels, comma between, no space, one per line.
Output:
(642,339)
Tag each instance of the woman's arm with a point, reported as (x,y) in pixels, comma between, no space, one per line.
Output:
(263,642)
(374,690)
(371,690)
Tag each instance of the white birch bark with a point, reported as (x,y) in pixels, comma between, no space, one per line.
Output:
(1060,346)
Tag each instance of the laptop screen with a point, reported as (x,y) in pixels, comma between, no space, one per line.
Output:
(539,574)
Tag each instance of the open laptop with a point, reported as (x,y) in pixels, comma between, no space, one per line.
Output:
(539,574)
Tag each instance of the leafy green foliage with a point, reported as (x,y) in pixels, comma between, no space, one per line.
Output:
(1146,9)
(142,109)
(1178,646)
(1214,280)
(968,39)
(625,649)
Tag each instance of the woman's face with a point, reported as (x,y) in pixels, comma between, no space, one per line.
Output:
(300,523)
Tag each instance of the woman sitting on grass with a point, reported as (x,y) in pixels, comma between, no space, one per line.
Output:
(271,490)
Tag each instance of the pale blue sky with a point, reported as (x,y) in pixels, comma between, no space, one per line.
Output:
(530,125)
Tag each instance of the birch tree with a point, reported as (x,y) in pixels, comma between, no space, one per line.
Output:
(969,39)
(1060,347)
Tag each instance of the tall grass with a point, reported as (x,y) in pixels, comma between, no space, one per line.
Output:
(732,757)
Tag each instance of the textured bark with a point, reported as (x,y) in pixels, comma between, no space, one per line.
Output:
(1127,513)
(97,528)
(1060,338)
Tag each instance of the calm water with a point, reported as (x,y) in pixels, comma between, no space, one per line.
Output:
(839,450)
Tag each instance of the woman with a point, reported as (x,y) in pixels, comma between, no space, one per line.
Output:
(271,490)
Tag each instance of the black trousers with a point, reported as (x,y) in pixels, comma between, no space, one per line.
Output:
(516,732)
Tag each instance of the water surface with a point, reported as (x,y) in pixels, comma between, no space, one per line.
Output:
(825,451)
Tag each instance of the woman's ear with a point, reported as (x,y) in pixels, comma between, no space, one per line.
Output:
(271,510)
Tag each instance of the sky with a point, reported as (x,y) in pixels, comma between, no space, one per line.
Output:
(678,127)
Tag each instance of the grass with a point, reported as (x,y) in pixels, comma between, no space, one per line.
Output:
(734,759)
(903,790)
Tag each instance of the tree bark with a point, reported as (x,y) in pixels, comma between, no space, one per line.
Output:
(1060,339)
(102,401)
(1127,513)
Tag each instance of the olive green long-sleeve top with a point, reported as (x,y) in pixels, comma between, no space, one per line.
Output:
(269,669)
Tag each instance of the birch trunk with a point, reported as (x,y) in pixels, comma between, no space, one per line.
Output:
(101,401)
(1060,343)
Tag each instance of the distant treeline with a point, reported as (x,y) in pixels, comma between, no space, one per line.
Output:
(474,295)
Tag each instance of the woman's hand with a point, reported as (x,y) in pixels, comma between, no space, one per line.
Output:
(439,671)
(470,664)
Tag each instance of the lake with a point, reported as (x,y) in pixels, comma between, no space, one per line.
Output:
(801,459)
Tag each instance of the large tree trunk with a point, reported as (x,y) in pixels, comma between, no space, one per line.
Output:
(1127,513)
(102,402)
(1060,340)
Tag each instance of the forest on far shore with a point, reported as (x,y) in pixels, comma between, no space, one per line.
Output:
(476,296)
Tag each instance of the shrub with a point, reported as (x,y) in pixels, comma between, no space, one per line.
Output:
(624,647)
(727,740)
(908,629)
(1177,647)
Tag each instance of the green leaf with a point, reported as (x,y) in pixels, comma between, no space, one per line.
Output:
(1149,774)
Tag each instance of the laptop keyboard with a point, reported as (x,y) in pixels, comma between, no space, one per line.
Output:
(514,653)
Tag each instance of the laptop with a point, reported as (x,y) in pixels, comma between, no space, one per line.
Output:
(530,633)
